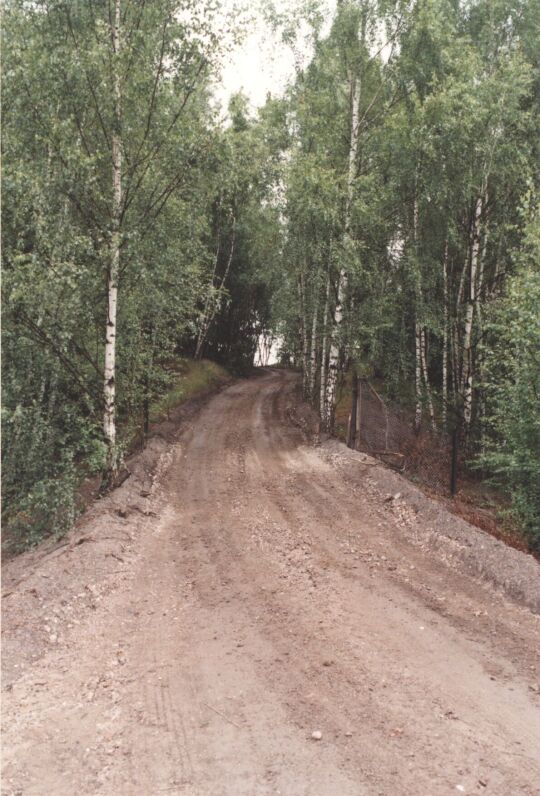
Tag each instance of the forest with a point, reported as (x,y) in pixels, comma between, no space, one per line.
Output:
(379,219)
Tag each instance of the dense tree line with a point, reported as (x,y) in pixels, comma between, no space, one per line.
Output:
(412,221)
(127,232)
(381,218)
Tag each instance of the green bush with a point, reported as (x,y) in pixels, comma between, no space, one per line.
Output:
(512,387)
(39,475)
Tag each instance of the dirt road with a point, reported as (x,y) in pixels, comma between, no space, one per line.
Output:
(275,593)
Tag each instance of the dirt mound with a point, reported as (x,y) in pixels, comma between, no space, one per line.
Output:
(44,590)
(426,523)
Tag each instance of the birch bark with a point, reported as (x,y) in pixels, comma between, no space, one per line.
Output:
(445,338)
(417,376)
(109,388)
(313,352)
(208,301)
(423,356)
(305,339)
(467,377)
(322,397)
(417,326)
(336,343)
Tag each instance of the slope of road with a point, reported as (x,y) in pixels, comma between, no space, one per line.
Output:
(269,591)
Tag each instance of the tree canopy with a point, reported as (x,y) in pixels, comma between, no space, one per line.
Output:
(381,217)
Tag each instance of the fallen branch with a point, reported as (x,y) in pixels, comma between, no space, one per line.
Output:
(223,716)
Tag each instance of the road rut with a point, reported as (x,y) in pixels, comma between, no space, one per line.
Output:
(274,596)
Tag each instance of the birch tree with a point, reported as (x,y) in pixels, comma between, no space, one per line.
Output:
(125,85)
(113,272)
(107,137)
(379,218)
(336,345)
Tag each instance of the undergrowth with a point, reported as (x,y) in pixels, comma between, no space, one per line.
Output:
(44,501)
(189,379)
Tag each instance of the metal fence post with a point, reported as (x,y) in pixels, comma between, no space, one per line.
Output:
(454,462)
(351,442)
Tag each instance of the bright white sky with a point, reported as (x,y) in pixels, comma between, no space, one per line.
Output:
(262,63)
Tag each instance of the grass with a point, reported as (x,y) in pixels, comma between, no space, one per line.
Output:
(191,378)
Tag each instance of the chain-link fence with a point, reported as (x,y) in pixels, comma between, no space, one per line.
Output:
(382,429)
(437,461)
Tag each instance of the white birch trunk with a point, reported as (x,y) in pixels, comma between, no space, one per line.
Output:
(334,355)
(481,271)
(336,344)
(459,297)
(109,388)
(305,339)
(322,398)
(417,327)
(417,377)
(208,301)
(467,379)
(445,338)
(426,378)
(313,353)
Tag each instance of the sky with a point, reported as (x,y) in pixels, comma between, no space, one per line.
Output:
(262,63)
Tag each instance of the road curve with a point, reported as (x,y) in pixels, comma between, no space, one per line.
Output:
(272,599)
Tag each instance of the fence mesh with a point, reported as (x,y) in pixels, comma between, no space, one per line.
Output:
(385,430)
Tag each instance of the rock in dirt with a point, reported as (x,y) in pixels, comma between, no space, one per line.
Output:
(316,735)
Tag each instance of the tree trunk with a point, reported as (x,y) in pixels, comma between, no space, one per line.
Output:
(336,342)
(109,389)
(358,415)
(305,339)
(479,316)
(429,397)
(313,353)
(324,353)
(418,376)
(212,305)
(351,441)
(467,365)
(461,287)
(207,302)
(454,353)
(445,338)
(418,331)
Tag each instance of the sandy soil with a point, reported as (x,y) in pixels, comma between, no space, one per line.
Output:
(194,633)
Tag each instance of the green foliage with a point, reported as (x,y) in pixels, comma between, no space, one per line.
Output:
(44,441)
(512,385)
(247,232)
(189,379)
(448,122)
(232,230)
(59,119)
